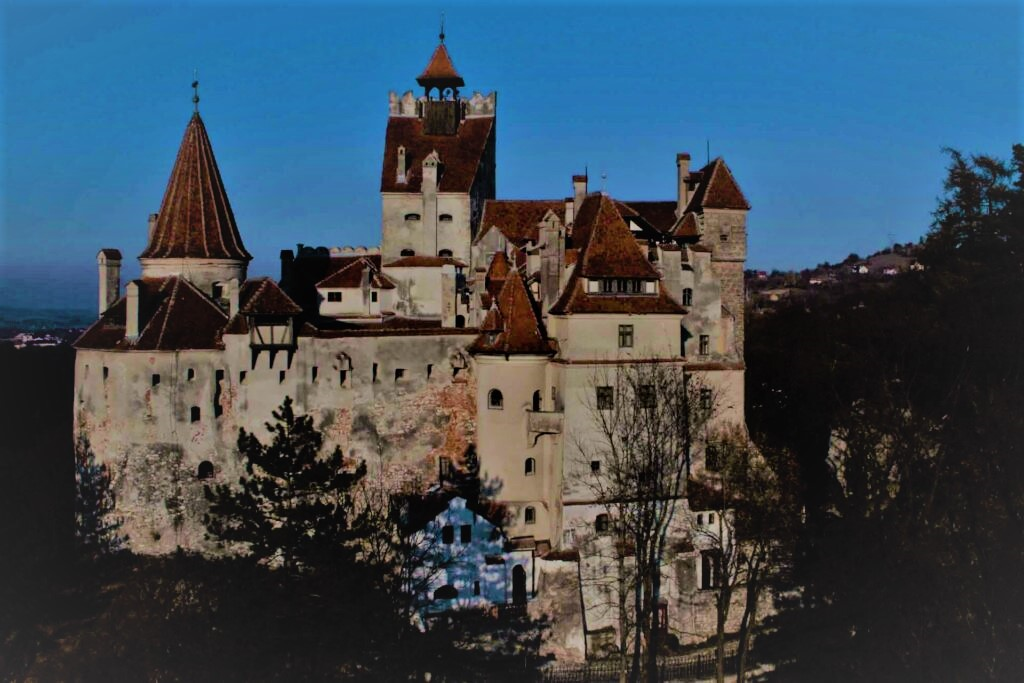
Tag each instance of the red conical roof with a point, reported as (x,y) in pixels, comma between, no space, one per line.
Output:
(440,71)
(195,219)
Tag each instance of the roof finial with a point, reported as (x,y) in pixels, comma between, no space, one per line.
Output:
(441,35)
(195,89)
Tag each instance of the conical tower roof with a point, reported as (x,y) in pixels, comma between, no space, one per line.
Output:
(195,219)
(440,71)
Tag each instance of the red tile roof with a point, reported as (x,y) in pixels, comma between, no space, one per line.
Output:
(659,215)
(173,316)
(461,154)
(575,299)
(440,70)
(687,227)
(195,219)
(262,296)
(497,272)
(425,262)
(610,250)
(513,324)
(518,219)
(717,189)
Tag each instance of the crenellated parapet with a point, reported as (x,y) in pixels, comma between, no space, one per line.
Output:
(409,105)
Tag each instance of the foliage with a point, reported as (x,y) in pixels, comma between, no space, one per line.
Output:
(96,526)
(294,506)
(902,405)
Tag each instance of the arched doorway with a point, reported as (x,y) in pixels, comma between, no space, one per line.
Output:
(518,585)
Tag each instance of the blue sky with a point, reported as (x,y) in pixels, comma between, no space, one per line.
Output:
(832,117)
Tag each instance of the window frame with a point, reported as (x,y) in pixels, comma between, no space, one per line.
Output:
(626,336)
(495,400)
(605,398)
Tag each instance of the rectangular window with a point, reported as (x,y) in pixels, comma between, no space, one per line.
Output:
(106,373)
(241,376)
(334,296)
(606,286)
(448,534)
(430,369)
(625,336)
(605,398)
(399,374)
(342,377)
(193,414)
(374,378)
(638,286)
(705,399)
(280,377)
(705,344)
(373,297)
(645,395)
(712,458)
(218,376)
(476,588)
(724,237)
(465,533)
(622,286)
(710,568)
(444,468)
(190,374)
(595,466)
(313,372)
(155,380)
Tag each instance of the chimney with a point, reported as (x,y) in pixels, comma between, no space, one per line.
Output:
(682,190)
(109,262)
(401,164)
(579,191)
(570,214)
(287,259)
(233,296)
(131,316)
(152,224)
(430,172)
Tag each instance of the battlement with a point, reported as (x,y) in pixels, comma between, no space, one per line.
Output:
(409,105)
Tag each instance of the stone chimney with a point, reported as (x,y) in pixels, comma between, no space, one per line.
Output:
(570,215)
(401,165)
(152,224)
(131,316)
(109,262)
(233,296)
(682,189)
(579,191)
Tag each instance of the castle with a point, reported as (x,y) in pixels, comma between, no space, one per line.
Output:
(478,322)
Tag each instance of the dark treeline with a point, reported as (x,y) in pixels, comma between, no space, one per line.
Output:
(904,407)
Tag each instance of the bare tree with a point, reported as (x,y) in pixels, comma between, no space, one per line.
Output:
(645,419)
(753,514)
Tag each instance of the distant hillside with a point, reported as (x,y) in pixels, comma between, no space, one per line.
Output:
(60,322)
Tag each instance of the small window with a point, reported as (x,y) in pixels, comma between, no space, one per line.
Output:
(476,588)
(466,534)
(154,380)
(444,468)
(529,515)
(218,376)
(637,286)
(724,237)
(645,395)
(445,218)
(495,401)
(710,568)
(373,297)
(687,297)
(625,336)
(445,253)
(705,399)
(530,468)
(460,321)
(705,344)
(605,398)
(334,296)
(280,376)
(218,290)
(412,216)
(205,470)
(399,374)
(536,401)
(430,369)
(374,376)
(241,376)
(712,458)
(190,374)
(711,518)
(342,377)
(448,534)
(700,519)
(407,252)
(106,373)
(313,372)
(595,466)
(602,523)
(607,286)
(194,414)
(446,592)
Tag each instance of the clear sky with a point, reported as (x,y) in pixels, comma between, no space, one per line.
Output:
(832,117)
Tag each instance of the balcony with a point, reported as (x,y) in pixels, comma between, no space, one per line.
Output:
(540,422)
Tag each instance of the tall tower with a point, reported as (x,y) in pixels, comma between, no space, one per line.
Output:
(194,235)
(438,165)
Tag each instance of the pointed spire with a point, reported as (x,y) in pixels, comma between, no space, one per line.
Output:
(440,72)
(512,325)
(195,219)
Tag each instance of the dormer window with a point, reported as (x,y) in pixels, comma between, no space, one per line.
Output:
(334,297)
(445,252)
(412,216)
(407,252)
(445,218)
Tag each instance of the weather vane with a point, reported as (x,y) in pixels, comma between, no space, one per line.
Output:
(441,36)
(195,89)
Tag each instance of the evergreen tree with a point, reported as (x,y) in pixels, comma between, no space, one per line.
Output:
(294,506)
(95,524)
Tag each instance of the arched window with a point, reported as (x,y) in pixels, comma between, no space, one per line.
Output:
(495,401)
(407,252)
(445,218)
(601,524)
(412,216)
(205,470)
(536,401)
(687,297)
(446,592)
(445,252)
(531,467)
(460,321)
(529,515)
